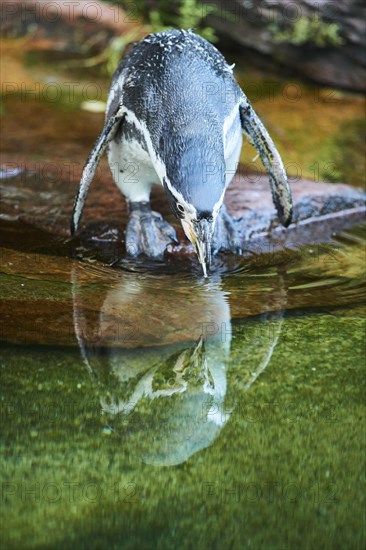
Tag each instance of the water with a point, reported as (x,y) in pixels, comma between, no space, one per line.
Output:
(171,401)
(143,406)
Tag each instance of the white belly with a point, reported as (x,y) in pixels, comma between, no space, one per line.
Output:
(132,169)
(134,173)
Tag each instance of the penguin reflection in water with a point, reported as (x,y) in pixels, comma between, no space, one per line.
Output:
(176,114)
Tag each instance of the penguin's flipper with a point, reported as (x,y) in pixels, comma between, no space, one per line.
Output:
(259,137)
(91,164)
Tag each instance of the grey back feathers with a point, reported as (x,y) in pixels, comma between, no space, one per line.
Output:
(182,90)
(177,95)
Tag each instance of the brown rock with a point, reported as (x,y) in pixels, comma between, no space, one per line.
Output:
(252,26)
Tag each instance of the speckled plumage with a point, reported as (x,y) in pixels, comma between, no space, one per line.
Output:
(183,90)
(175,115)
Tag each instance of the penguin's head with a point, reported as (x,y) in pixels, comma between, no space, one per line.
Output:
(195,189)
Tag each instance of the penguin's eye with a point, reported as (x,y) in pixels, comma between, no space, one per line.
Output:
(180,207)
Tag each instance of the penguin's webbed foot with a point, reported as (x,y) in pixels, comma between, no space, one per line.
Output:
(226,235)
(147,232)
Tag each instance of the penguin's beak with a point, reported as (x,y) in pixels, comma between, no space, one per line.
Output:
(200,235)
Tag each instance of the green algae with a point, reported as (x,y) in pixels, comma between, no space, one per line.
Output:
(285,471)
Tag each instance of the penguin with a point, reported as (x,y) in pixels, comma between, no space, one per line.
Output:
(175,115)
